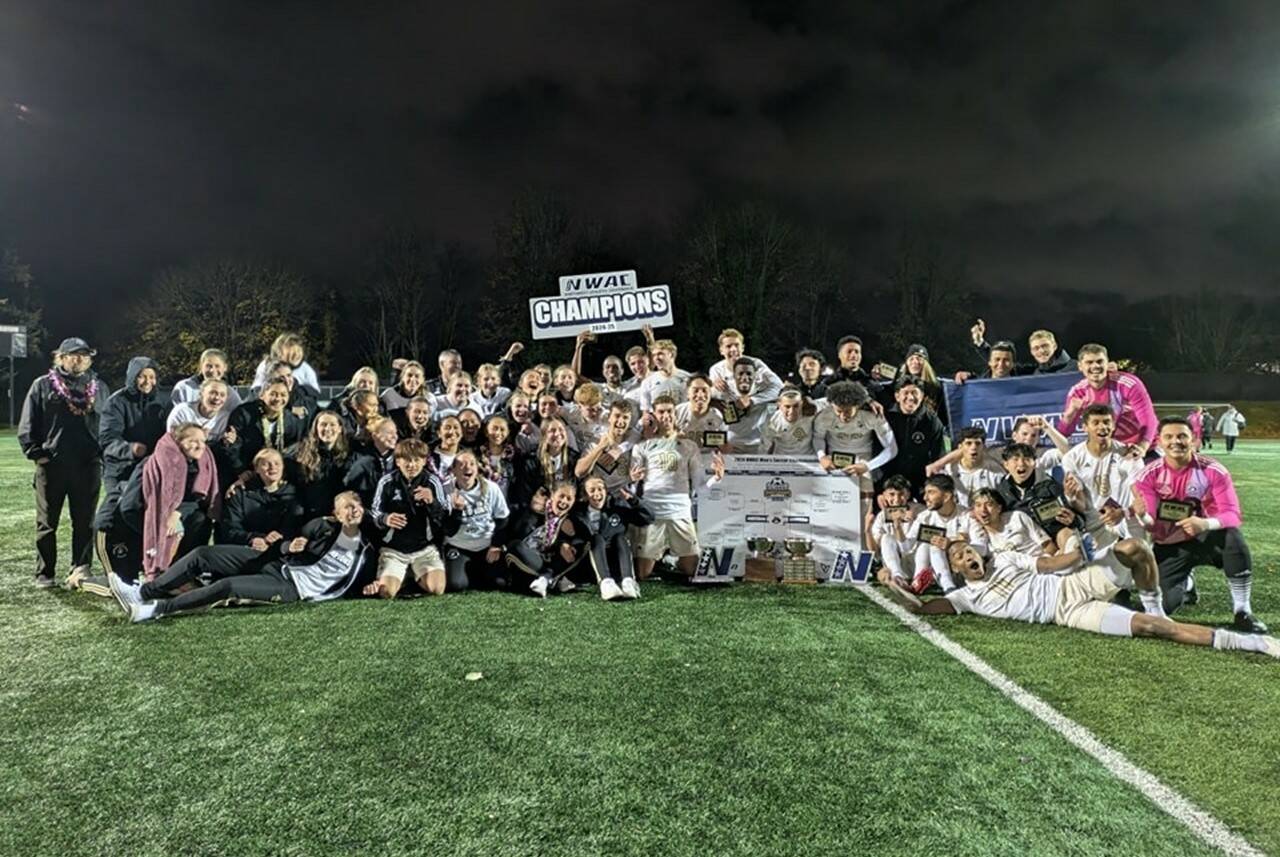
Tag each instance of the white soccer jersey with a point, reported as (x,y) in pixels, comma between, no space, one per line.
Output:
(485,505)
(490,406)
(671,465)
(1011,590)
(656,384)
(767,386)
(614,466)
(1108,476)
(955,525)
(882,527)
(746,433)
(1019,534)
(691,426)
(784,438)
(985,475)
(854,437)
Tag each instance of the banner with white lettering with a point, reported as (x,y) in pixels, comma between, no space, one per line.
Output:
(995,403)
(600,312)
(784,509)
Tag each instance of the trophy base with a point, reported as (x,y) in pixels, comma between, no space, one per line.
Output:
(761,571)
(800,571)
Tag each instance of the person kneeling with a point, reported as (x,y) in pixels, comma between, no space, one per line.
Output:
(408,506)
(318,565)
(1049,590)
(545,542)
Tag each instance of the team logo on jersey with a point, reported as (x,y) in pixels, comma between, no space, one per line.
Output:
(120,550)
(615,521)
(799,433)
(917,437)
(777,489)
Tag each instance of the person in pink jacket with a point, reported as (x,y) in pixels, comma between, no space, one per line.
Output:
(1195,419)
(1188,504)
(1123,392)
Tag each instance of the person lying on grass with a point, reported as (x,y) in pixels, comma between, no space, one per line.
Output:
(318,565)
(1053,590)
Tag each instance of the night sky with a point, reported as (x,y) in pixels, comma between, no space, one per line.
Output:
(1064,147)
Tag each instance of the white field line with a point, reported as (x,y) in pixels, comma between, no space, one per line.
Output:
(1206,828)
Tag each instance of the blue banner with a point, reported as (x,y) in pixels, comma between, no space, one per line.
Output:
(995,404)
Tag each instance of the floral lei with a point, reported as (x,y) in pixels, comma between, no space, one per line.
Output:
(78,404)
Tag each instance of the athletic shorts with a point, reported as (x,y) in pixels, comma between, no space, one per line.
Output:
(1119,573)
(1084,601)
(394,564)
(679,537)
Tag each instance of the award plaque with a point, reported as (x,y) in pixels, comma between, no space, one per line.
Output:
(731,412)
(928,532)
(1172,511)
(842,459)
(714,439)
(886,371)
(797,567)
(1047,510)
(607,462)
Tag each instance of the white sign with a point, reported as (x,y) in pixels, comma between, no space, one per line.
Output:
(607,312)
(778,498)
(609,281)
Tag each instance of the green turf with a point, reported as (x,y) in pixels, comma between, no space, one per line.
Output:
(752,721)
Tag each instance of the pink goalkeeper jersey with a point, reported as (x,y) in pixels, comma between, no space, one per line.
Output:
(1129,402)
(1203,482)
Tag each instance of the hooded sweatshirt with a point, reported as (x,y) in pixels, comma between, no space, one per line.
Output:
(130,417)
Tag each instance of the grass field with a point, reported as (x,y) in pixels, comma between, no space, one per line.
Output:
(752,721)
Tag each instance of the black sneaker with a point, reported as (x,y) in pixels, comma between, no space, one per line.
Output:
(1191,598)
(45,581)
(1248,624)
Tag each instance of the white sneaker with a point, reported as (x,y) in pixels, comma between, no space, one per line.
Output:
(1273,646)
(609,589)
(630,589)
(539,586)
(564,584)
(128,594)
(143,611)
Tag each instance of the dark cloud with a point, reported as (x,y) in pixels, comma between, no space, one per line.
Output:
(1095,146)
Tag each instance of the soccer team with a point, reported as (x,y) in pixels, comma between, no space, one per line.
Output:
(540,480)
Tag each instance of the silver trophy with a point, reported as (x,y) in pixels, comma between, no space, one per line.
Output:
(797,567)
(762,565)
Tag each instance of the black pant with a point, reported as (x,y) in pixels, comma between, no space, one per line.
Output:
(57,482)
(612,557)
(1225,549)
(532,562)
(234,575)
(466,569)
(1231,442)
(119,546)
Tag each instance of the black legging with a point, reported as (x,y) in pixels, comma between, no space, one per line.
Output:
(1225,549)
(534,563)
(612,557)
(466,569)
(119,547)
(236,574)
(1231,441)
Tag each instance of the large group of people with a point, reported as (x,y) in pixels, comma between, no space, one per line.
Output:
(540,480)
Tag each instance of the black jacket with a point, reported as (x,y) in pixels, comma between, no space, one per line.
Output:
(49,429)
(618,514)
(253,511)
(365,471)
(405,431)
(320,534)
(527,477)
(316,494)
(130,417)
(1024,498)
(920,438)
(247,421)
(525,525)
(429,523)
(1060,362)
(812,392)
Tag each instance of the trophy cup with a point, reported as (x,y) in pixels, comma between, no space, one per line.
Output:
(762,565)
(797,568)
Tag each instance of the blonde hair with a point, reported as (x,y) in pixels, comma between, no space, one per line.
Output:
(730,333)
(587,395)
(287,342)
(1042,334)
(664,345)
(365,371)
(181,430)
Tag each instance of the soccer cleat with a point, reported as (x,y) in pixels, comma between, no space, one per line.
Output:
(128,594)
(630,589)
(44,581)
(564,584)
(922,581)
(539,586)
(1248,624)
(609,589)
(1273,646)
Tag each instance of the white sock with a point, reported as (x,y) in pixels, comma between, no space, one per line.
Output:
(1190,585)
(1240,590)
(1152,603)
(1235,641)
(144,611)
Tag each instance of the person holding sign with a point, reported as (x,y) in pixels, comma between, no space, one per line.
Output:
(1188,503)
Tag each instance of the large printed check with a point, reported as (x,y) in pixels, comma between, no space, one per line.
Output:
(778,498)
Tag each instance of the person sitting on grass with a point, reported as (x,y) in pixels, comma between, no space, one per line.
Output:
(544,542)
(605,520)
(264,510)
(408,509)
(888,533)
(319,564)
(472,553)
(1053,590)
(1042,500)
(942,519)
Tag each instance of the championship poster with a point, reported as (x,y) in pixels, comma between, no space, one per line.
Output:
(779,502)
